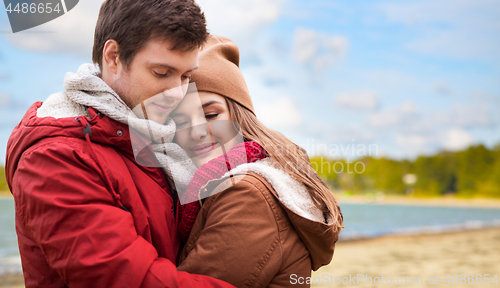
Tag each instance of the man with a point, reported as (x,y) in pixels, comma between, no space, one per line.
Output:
(87,213)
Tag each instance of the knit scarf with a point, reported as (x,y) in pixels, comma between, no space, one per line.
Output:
(246,152)
(86,88)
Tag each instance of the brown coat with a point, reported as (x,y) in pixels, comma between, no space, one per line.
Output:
(245,235)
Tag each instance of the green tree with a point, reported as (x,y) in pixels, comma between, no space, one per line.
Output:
(436,174)
(383,174)
(474,171)
(324,168)
(3,181)
(474,165)
(491,187)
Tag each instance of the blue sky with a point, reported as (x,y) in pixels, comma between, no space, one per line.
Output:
(409,77)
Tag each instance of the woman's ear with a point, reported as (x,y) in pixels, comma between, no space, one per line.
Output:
(111,58)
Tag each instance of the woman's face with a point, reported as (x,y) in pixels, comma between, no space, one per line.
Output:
(204,129)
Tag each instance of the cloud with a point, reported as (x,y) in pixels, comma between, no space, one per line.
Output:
(386,81)
(347,140)
(436,131)
(280,112)
(459,115)
(71,33)
(442,88)
(340,133)
(415,143)
(384,119)
(74,33)
(456,139)
(240,17)
(431,11)
(456,29)
(359,101)
(274,78)
(4,77)
(240,20)
(318,50)
(401,114)
(471,116)
(4,99)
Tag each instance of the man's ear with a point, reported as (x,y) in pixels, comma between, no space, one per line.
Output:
(110,56)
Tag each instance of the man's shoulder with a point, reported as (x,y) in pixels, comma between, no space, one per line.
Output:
(60,149)
(59,105)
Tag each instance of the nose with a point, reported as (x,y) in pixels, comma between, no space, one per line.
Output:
(175,94)
(199,131)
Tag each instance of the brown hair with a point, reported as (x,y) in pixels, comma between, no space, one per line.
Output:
(289,157)
(132,23)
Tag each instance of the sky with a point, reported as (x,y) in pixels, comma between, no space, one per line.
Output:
(343,79)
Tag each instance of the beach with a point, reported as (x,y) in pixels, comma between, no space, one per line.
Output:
(12,281)
(469,252)
(473,252)
(415,257)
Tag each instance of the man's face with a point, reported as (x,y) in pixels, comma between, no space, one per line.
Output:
(156,80)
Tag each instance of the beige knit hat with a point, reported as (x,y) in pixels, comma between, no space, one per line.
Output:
(219,71)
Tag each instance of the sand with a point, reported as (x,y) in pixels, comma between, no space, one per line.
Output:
(12,281)
(474,252)
(420,257)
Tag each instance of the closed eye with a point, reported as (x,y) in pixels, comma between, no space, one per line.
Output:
(181,123)
(211,116)
(161,75)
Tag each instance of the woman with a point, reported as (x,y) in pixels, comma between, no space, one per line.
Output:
(273,219)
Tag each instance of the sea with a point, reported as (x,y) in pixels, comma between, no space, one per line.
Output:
(10,262)
(361,221)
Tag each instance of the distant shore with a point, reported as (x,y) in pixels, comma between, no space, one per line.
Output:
(5,195)
(446,201)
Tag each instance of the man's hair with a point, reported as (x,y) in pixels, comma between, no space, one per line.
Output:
(132,23)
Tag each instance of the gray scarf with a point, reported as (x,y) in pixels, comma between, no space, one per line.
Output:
(86,88)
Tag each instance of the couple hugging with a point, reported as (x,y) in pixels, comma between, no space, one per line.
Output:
(151,169)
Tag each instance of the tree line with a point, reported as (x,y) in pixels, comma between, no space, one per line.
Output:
(472,172)
(4,188)
(468,173)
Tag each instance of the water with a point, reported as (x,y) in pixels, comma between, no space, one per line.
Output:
(369,220)
(10,262)
(361,221)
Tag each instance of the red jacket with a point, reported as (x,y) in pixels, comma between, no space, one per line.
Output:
(87,215)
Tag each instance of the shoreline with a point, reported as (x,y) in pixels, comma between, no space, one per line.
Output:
(6,196)
(417,235)
(424,231)
(443,201)
(381,199)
